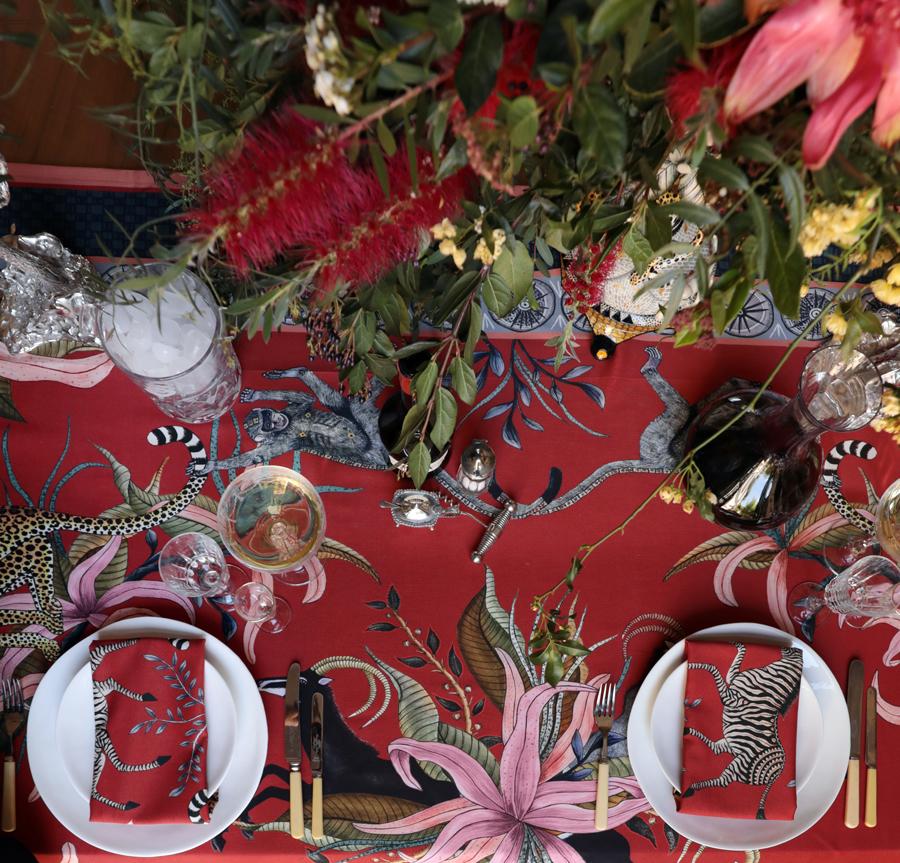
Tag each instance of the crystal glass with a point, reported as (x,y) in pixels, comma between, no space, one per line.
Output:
(765,466)
(271,519)
(170,340)
(192,564)
(869,588)
(256,603)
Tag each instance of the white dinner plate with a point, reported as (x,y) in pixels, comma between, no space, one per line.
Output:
(668,734)
(736,834)
(75,737)
(241,773)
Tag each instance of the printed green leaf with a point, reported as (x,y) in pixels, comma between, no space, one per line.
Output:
(8,410)
(331,549)
(716,548)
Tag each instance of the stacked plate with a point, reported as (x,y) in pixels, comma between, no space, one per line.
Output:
(61,743)
(823,744)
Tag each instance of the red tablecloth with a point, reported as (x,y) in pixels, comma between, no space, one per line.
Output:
(426,605)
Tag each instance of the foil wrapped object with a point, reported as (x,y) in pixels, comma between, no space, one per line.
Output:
(45,294)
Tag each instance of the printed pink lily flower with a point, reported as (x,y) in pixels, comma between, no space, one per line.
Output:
(84,606)
(846,51)
(491,821)
(82,372)
(751,550)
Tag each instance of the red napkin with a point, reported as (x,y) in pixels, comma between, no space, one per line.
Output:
(740,730)
(150,731)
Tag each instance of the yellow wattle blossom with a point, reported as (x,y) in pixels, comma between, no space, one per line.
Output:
(666,494)
(886,292)
(836,324)
(841,224)
(451,250)
(890,403)
(444,230)
(688,506)
(484,254)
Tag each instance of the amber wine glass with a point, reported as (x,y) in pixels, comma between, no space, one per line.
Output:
(271,519)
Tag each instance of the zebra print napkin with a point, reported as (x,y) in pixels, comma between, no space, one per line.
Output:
(740,730)
(149,731)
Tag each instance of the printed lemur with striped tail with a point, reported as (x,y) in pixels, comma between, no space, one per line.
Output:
(26,551)
(831,482)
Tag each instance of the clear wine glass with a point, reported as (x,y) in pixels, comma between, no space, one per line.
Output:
(192,564)
(866,589)
(272,519)
(256,603)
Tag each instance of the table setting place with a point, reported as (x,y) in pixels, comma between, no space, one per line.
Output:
(450,431)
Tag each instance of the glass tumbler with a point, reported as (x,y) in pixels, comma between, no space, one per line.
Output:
(169,338)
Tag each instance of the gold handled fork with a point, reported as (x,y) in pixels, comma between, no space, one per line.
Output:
(603,716)
(13,717)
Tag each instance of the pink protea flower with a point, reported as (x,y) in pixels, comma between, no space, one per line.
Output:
(847,52)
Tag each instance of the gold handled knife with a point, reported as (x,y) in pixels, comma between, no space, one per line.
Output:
(316,762)
(854,706)
(871,746)
(292,748)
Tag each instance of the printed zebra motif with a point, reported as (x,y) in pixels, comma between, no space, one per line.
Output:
(104,750)
(831,482)
(26,552)
(752,701)
(180,643)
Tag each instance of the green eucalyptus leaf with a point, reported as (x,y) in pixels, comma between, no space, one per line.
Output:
(761,226)
(696,214)
(611,15)
(463,377)
(516,267)
(476,321)
(424,381)
(357,377)
(724,172)
(658,227)
(522,121)
(637,248)
(446,21)
(498,295)
(482,55)
(785,271)
(385,138)
(444,417)
(419,462)
(454,159)
(600,126)
(794,199)
(756,148)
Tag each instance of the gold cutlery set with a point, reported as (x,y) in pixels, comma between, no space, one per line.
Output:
(855,707)
(293,753)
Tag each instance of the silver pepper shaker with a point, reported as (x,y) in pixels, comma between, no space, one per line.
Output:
(476,467)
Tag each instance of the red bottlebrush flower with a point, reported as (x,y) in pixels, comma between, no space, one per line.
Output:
(374,234)
(690,87)
(289,188)
(267,197)
(583,278)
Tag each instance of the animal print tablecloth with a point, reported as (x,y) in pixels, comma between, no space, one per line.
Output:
(414,647)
